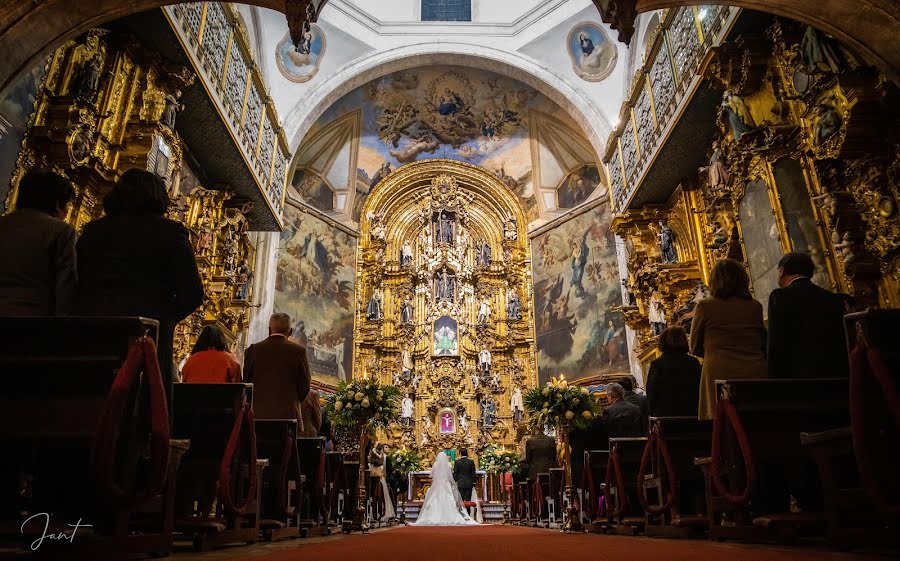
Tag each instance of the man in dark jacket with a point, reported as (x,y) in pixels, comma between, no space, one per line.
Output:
(540,454)
(37,249)
(621,419)
(638,399)
(806,327)
(279,371)
(464,474)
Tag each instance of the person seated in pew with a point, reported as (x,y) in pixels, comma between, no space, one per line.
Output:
(806,324)
(136,262)
(279,370)
(728,332)
(638,399)
(210,362)
(311,411)
(621,418)
(37,249)
(540,453)
(673,382)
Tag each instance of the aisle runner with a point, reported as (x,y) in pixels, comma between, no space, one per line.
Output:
(514,543)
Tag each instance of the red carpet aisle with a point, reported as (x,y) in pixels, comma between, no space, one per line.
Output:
(512,543)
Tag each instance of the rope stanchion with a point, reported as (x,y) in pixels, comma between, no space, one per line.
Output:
(288,460)
(244,418)
(662,449)
(614,470)
(587,482)
(537,497)
(726,413)
(141,359)
(866,361)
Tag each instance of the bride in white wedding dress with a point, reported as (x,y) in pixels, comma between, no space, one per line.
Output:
(443,506)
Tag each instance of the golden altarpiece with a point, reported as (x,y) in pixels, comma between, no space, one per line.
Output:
(803,157)
(444,305)
(106,105)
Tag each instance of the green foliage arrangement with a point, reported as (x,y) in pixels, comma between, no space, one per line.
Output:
(365,403)
(405,461)
(559,404)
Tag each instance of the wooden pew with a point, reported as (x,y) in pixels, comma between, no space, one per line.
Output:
(623,511)
(312,449)
(684,438)
(206,414)
(557,485)
(334,491)
(57,374)
(773,413)
(524,505)
(351,493)
(276,439)
(541,489)
(595,463)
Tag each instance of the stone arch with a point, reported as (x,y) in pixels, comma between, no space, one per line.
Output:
(580,108)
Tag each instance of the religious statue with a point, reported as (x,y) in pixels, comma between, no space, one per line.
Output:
(719,236)
(514,307)
(476,381)
(739,116)
(488,411)
(406,255)
(172,108)
(827,123)
(656,313)
(843,246)
(495,379)
(463,422)
(484,360)
(446,286)
(88,81)
(510,229)
(484,311)
(517,405)
(373,310)
(667,243)
(378,230)
(424,238)
(716,172)
(630,299)
(483,256)
(415,382)
(828,201)
(817,53)
(205,239)
(445,228)
(406,311)
(244,276)
(339,358)
(406,363)
(406,410)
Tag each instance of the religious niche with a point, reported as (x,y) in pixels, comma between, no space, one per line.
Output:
(446,312)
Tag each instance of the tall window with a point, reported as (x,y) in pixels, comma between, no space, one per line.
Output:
(446,10)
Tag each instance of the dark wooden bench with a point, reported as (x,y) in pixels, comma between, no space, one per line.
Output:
(773,413)
(57,374)
(595,463)
(276,440)
(523,503)
(683,438)
(351,493)
(557,484)
(541,488)
(334,488)
(624,514)
(312,508)
(206,414)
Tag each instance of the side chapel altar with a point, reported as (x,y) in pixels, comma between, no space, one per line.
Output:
(444,309)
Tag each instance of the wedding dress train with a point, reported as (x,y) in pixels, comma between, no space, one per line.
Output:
(443,506)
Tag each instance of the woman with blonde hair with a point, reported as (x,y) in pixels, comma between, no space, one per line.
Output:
(728,332)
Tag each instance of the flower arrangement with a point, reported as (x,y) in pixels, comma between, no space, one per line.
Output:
(559,404)
(363,402)
(405,461)
(493,460)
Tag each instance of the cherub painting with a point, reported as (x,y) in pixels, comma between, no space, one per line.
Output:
(299,63)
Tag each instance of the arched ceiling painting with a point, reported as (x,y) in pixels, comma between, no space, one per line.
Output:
(452,112)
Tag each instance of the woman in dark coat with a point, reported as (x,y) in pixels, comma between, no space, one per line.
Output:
(136,262)
(673,382)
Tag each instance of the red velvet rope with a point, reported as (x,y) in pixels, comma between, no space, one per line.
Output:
(614,469)
(537,497)
(322,484)
(866,361)
(141,358)
(727,413)
(244,418)
(662,450)
(288,457)
(587,482)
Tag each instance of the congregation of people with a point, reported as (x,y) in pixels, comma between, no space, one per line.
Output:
(133,261)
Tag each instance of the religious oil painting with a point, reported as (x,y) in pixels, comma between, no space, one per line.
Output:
(761,240)
(312,189)
(462,114)
(593,54)
(299,63)
(15,109)
(577,284)
(577,187)
(446,337)
(314,284)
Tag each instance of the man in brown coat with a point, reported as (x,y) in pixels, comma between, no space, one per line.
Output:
(279,372)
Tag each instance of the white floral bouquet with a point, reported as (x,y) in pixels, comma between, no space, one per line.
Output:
(559,404)
(365,403)
(494,460)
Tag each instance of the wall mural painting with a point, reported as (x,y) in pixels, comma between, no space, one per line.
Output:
(450,112)
(313,189)
(315,285)
(576,285)
(15,109)
(593,54)
(577,187)
(300,63)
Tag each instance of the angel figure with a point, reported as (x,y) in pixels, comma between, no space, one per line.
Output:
(843,245)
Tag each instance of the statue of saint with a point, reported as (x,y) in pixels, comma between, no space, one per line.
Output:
(827,123)
(484,360)
(514,307)
(406,312)
(716,172)
(656,314)
(406,255)
(407,362)
(483,256)
(373,310)
(445,286)
(510,230)
(484,311)
(667,243)
(739,117)
(517,405)
(172,108)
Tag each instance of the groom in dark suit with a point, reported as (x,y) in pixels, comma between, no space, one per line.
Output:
(464,474)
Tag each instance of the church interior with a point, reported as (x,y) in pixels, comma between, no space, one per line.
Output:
(263,264)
